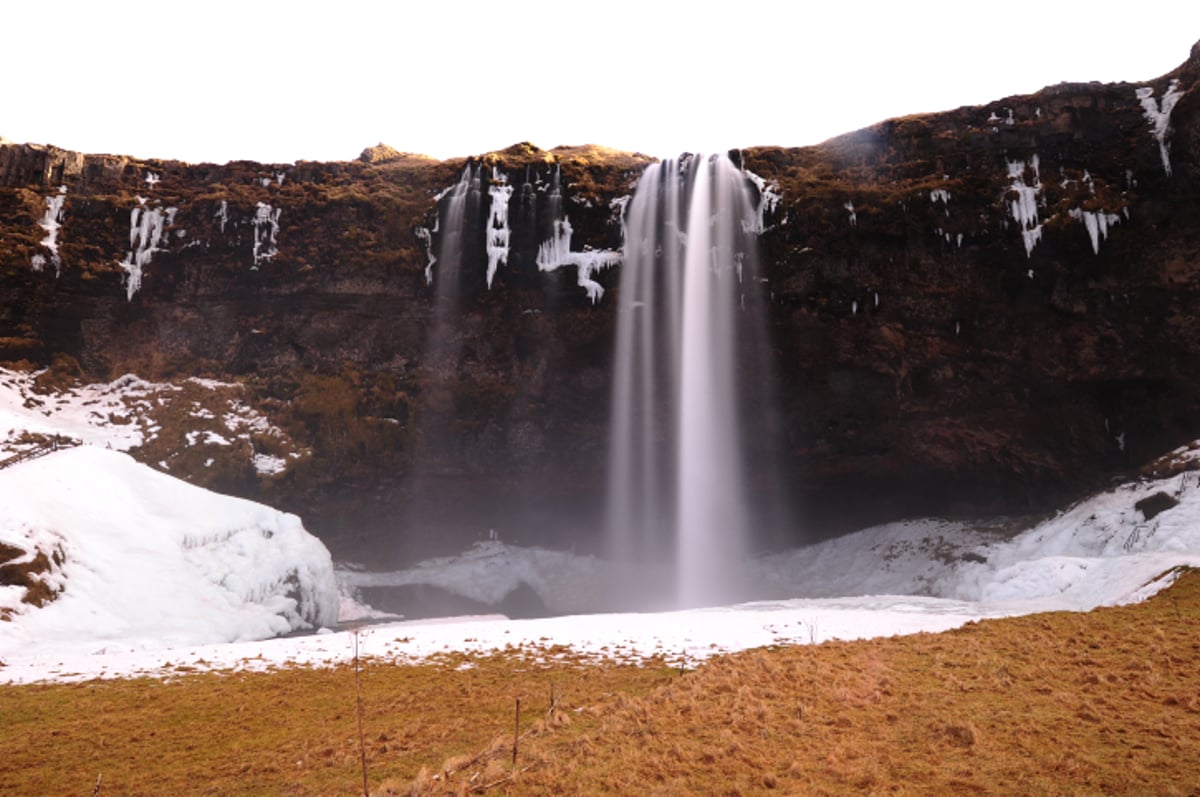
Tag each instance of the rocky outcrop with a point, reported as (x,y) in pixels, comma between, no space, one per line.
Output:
(987,309)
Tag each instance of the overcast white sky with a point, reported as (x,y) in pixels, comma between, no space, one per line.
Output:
(284,81)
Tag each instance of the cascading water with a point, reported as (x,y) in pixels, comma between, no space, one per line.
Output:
(457,207)
(676,483)
(460,210)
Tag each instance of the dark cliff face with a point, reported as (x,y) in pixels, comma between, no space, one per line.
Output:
(988,309)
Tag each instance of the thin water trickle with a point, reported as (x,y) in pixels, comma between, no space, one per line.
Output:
(676,486)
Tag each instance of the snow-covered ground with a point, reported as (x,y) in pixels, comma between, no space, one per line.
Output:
(159,577)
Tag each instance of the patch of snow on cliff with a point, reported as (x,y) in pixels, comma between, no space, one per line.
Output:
(266,230)
(268,465)
(105,414)
(1024,202)
(124,414)
(1158,114)
(146,226)
(207,438)
(51,222)
(497,229)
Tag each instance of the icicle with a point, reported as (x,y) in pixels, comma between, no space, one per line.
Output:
(1158,114)
(146,229)
(266,228)
(51,222)
(1024,208)
(497,228)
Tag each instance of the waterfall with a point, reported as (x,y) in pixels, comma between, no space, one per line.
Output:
(454,253)
(457,207)
(675,463)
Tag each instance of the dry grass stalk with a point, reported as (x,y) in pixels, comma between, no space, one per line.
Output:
(362,743)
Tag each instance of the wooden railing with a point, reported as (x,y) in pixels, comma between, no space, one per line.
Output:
(43,448)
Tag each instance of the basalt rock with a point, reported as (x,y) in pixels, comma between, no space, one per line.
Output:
(987,309)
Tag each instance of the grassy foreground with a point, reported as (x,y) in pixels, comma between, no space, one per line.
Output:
(1106,702)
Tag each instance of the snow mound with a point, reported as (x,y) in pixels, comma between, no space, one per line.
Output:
(145,560)
(489,571)
(1102,551)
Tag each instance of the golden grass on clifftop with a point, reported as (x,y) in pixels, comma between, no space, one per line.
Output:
(1106,702)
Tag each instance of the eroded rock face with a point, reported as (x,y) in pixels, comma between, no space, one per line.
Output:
(988,309)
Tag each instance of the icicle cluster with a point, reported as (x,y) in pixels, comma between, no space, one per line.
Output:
(266,228)
(1158,114)
(1097,224)
(497,229)
(555,253)
(146,231)
(51,222)
(1024,207)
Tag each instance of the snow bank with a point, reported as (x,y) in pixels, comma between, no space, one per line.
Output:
(1102,551)
(565,583)
(151,561)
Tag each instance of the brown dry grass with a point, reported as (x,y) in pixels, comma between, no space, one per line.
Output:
(1106,702)
(290,731)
